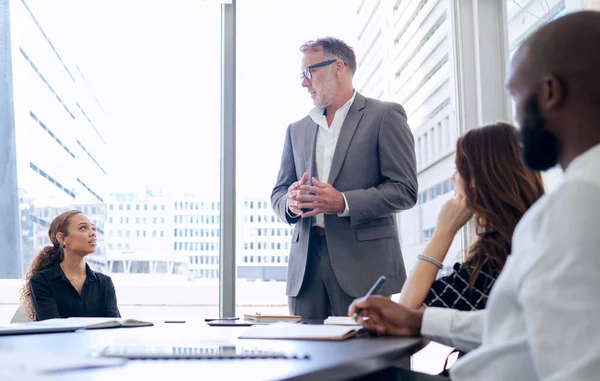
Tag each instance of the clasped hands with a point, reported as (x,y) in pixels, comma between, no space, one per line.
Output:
(322,198)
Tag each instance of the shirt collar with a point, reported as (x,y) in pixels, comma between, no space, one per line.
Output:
(56,272)
(584,162)
(318,113)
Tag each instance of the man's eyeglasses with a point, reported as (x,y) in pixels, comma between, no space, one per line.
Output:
(307,71)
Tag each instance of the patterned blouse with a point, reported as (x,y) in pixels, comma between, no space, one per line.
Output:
(454,291)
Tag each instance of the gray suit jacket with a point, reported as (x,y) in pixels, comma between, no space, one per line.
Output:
(374,166)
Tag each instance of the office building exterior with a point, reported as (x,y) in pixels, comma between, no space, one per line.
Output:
(405,55)
(149,229)
(52,135)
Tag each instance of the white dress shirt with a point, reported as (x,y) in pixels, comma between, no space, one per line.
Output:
(542,316)
(327,137)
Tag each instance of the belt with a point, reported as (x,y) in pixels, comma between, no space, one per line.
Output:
(318,231)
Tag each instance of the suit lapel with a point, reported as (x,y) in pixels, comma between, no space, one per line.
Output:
(310,145)
(347,132)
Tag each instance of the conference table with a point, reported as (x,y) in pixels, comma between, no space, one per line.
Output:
(317,360)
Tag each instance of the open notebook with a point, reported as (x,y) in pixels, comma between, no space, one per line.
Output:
(257,317)
(288,331)
(99,323)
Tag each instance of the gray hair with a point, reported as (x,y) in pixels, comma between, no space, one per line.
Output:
(332,48)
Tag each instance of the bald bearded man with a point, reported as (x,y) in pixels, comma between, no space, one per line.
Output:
(541,321)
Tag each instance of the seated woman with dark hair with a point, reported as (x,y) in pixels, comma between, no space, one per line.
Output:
(59,283)
(492,183)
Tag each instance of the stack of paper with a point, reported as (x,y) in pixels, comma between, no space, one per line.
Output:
(340,320)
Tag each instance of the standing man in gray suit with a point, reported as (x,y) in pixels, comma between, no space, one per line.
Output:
(347,169)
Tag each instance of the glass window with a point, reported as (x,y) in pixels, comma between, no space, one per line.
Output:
(522,19)
(254,188)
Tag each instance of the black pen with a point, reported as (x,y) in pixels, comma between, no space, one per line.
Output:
(376,286)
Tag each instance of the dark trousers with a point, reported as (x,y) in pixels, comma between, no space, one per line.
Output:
(321,295)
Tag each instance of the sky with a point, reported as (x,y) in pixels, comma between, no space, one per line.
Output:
(155,67)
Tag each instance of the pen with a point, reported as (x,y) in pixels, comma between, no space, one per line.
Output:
(376,286)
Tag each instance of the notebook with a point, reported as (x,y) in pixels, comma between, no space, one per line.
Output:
(288,331)
(99,323)
(340,320)
(36,327)
(258,317)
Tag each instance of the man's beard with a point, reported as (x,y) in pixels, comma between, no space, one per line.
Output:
(326,93)
(540,148)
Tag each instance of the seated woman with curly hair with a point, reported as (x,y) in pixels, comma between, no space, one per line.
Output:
(59,283)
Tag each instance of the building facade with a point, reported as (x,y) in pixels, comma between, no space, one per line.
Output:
(167,227)
(405,55)
(52,147)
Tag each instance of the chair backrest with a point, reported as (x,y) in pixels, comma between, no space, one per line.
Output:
(20,315)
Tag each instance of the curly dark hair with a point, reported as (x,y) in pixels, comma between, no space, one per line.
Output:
(47,257)
(502,190)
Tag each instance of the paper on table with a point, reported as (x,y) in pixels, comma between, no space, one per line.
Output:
(91,323)
(258,317)
(340,320)
(24,365)
(294,331)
